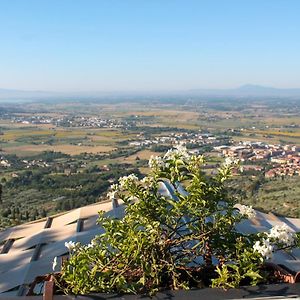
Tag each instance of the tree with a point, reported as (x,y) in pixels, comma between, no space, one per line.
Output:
(43,213)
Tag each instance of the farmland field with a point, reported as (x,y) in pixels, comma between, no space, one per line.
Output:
(29,150)
(64,155)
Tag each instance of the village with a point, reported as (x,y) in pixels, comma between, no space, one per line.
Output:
(69,121)
(274,160)
(192,140)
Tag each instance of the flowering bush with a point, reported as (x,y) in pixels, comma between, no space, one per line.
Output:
(183,237)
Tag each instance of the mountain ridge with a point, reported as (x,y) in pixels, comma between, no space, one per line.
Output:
(247,90)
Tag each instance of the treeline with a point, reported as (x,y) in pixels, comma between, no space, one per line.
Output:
(49,156)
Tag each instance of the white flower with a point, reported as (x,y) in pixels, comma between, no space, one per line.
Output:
(125,180)
(247,211)
(70,245)
(170,155)
(282,234)
(54,264)
(180,151)
(264,247)
(111,195)
(156,162)
(114,187)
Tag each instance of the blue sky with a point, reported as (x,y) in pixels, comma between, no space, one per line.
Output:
(111,45)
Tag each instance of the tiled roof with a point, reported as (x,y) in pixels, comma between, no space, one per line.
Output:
(29,249)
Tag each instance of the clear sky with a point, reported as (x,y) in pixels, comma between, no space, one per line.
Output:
(111,45)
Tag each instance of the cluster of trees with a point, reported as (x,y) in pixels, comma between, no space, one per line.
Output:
(17,215)
(157,130)
(123,152)
(40,192)
(49,156)
(247,186)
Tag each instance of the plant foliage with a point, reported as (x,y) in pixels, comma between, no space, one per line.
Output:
(178,231)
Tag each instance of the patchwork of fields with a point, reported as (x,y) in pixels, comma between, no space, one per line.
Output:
(71,166)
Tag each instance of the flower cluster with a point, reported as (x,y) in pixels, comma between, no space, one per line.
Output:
(279,234)
(70,245)
(282,234)
(264,247)
(247,211)
(111,195)
(114,187)
(180,151)
(156,162)
(125,180)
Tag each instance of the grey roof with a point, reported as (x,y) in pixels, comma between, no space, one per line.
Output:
(33,247)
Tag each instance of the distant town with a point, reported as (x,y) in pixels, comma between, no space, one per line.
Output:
(69,121)
(273,160)
(279,160)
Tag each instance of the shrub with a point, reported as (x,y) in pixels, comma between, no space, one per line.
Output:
(181,238)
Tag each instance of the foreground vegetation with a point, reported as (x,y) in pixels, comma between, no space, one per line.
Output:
(177,241)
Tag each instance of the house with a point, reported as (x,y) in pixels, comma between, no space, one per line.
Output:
(270,174)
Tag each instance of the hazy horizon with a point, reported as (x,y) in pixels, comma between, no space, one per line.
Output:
(246,85)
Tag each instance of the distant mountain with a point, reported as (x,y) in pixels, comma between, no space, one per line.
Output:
(248,90)
(262,90)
